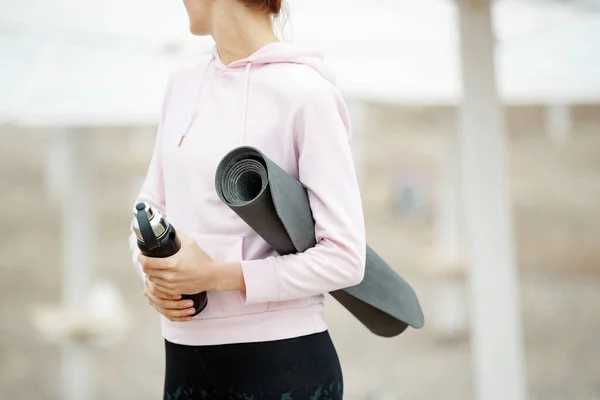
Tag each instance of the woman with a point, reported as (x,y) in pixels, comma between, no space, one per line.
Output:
(263,334)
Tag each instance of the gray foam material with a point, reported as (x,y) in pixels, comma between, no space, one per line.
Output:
(276,206)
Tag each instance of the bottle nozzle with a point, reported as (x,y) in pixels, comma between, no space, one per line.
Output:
(144,207)
(156,222)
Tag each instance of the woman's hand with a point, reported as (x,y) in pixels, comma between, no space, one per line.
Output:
(189,271)
(170,306)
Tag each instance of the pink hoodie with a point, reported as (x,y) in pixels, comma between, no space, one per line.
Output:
(281,100)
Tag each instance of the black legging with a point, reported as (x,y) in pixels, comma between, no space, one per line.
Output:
(304,368)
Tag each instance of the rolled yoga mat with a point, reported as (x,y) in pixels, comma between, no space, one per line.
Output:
(276,206)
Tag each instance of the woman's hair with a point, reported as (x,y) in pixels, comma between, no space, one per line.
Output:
(272,6)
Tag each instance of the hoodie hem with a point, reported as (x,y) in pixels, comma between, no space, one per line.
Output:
(260,327)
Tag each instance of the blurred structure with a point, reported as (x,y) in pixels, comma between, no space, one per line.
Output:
(84,68)
(101,66)
(494,299)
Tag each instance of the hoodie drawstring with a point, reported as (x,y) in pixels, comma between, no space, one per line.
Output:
(245,106)
(196,106)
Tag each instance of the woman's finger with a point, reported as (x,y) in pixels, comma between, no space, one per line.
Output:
(153,304)
(173,315)
(160,273)
(154,262)
(158,281)
(175,305)
(165,287)
(156,301)
(161,280)
(179,313)
(163,290)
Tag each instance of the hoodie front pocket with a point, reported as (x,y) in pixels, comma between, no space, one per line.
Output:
(224,248)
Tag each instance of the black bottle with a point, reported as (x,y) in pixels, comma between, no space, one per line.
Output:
(157,238)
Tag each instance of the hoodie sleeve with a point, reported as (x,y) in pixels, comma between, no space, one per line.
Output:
(153,190)
(322,132)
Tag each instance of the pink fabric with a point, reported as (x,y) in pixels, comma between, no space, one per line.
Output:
(283,101)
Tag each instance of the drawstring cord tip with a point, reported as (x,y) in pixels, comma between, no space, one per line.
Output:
(181,140)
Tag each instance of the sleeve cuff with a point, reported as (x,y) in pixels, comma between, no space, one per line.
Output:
(262,285)
(135,251)
(141,271)
(138,266)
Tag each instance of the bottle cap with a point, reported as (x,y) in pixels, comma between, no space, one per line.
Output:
(157,221)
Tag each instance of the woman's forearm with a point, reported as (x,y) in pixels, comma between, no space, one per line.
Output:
(227,276)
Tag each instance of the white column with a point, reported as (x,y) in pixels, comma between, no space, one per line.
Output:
(448,319)
(496,336)
(79,259)
(448,218)
(55,168)
(558,122)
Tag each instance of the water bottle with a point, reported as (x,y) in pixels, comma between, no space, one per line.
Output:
(157,238)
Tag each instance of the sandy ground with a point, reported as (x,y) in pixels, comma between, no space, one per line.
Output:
(555,192)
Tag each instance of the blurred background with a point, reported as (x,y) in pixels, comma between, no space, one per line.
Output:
(477,143)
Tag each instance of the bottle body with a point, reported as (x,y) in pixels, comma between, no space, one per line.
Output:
(165,245)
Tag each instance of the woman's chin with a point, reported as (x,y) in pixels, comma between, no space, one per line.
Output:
(198,31)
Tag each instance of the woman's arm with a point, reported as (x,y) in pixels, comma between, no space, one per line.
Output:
(322,133)
(153,189)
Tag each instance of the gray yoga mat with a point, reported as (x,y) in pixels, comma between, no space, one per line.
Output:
(276,206)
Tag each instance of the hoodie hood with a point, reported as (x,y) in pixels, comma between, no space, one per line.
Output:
(272,53)
(281,52)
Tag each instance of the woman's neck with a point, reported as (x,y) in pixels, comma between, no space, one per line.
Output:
(239,32)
